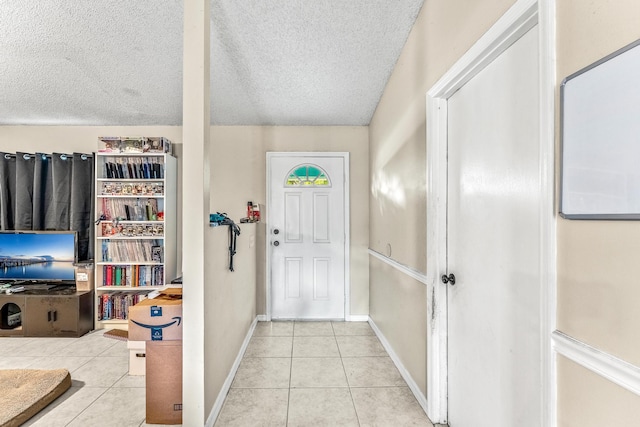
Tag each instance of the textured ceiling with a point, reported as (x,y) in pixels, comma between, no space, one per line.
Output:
(276,62)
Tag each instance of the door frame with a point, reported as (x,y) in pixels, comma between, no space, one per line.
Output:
(347,232)
(519,19)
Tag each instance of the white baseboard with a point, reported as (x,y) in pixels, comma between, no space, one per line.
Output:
(358,318)
(604,364)
(217,406)
(421,398)
(261,317)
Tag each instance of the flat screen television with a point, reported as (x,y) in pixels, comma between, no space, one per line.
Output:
(38,256)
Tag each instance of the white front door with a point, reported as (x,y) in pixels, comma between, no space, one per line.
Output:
(493,244)
(306,227)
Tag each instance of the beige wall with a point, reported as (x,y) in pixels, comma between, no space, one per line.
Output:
(401,308)
(238,174)
(443,32)
(229,304)
(597,260)
(586,399)
(47,139)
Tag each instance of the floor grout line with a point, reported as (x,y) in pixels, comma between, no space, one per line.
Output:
(344,369)
(293,332)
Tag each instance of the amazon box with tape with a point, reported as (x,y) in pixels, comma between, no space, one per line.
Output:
(157,319)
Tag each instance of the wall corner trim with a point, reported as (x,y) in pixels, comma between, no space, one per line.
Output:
(419,276)
(420,397)
(217,406)
(604,364)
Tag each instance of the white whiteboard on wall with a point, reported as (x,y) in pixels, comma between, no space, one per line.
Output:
(600,136)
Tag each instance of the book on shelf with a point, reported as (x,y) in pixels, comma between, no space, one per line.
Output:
(115,305)
(132,275)
(131,209)
(116,251)
(156,253)
(133,168)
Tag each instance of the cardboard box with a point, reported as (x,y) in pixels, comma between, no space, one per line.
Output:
(164,382)
(84,277)
(137,357)
(157,319)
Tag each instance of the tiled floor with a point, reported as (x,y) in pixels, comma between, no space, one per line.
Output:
(102,393)
(318,374)
(292,374)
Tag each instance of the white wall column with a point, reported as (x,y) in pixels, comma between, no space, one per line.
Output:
(195,203)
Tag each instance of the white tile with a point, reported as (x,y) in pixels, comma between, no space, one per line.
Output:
(254,407)
(10,345)
(118,349)
(269,347)
(44,346)
(322,407)
(360,346)
(273,329)
(317,372)
(117,407)
(372,372)
(313,329)
(352,328)
(131,381)
(101,372)
(315,347)
(12,362)
(263,372)
(86,346)
(388,406)
(160,425)
(66,407)
(70,363)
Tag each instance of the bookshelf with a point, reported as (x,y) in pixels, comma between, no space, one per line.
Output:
(135,233)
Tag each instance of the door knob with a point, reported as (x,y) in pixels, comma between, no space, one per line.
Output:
(276,243)
(449,279)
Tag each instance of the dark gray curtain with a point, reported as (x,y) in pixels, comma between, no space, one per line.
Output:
(24,191)
(81,207)
(43,213)
(7,191)
(42,192)
(62,170)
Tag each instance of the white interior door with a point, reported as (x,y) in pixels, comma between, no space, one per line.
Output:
(493,244)
(307,236)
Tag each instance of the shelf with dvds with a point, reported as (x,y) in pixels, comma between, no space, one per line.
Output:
(135,231)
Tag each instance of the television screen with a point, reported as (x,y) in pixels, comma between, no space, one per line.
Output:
(38,255)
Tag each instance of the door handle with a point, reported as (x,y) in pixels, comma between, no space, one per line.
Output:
(449,279)
(276,243)
(55,315)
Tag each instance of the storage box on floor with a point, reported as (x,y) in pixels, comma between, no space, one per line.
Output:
(157,323)
(137,357)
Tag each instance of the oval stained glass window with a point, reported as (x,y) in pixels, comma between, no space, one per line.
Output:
(307,176)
